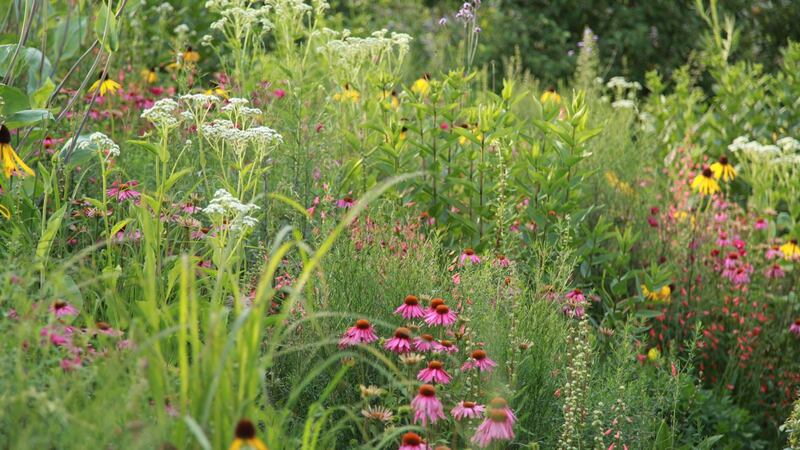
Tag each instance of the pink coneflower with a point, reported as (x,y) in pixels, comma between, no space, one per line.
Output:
(412,441)
(70,364)
(361,333)
(795,327)
(345,202)
(105,328)
(761,224)
(442,316)
(774,271)
(426,406)
(410,308)
(434,373)
(731,261)
(722,239)
(576,295)
(501,403)
(498,426)
(502,261)
(479,360)
(469,254)
(401,342)
(124,191)
(63,309)
(55,338)
(445,346)
(279,93)
(774,252)
(467,410)
(457,279)
(424,343)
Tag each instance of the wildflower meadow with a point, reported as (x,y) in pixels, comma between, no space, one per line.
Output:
(417,225)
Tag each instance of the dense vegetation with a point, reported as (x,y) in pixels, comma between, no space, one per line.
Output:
(240,224)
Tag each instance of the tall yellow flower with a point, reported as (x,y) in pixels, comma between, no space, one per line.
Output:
(653,354)
(191,56)
(150,75)
(791,250)
(391,97)
(11,162)
(347,95)
(106,85)
(705,183)
(723,169)
(550,95)
(422,86)
(245,437)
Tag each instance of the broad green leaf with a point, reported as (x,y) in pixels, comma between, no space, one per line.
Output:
(49,235)
(27,117)
(40,96)
(14,99)
(105,28)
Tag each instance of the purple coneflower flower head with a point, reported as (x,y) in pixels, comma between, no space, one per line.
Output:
(795,327)
(360,333)
(70,364)
(761,224)
(498,426)
(426,406)
(412,441)
(479,360)
(445,346)
(469,255)
(105,328)
(401,342)
(434,373)
(410,309)
(441,316)
(722,239)
(345,202)
(775,271)
(424,343)
(124,191)
(774,252)
(502,261)
(576,295)
(63,309)
(467,410)
(56,338)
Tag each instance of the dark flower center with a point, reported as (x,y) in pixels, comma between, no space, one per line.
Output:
(498,415)
(469,405)
(5,135)
(478,355)
(427,337)
(411,439)
(59,304)
(499,402)
(435,365)
(442,309)
(469,251)
(427,390)
(723,160)
(245,430)
(707,173)
(402,332)
(446,343)
(411,300)
(362,324)
(436,302)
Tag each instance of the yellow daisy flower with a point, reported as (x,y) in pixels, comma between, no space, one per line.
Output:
(791,250)
(705,183)
(11,162)
(217,91)
(723,169)
(245,437)
(149,75)
(422,86)
(191,56)
(394,102)
(403,132)
(105,85)
(653,354)
(550,95)
(347,95)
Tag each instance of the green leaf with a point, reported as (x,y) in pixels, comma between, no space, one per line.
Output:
(40,96)
(49,235)
(39,67)
(145,145)
(14,99)
(27,117)
(105,28)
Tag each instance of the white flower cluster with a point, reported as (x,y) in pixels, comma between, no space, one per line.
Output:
(224,130)
(181,29)
(240,14)
(744,144)
(350,52)
(100,142)
(622,83)
(162,113)
(238,107)
(623,104)
(165,8)
(225,205)
(789,144)
(199,100)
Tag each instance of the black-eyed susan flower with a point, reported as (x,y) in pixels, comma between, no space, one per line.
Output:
(791,250)
(150,76)
(191,56)
(403,133)
(105,85)
(705,184)
(245,437)
(392,99)
(422,86)
(348,94)
(219,91)
(723,169)
(11,161)
(550,95)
